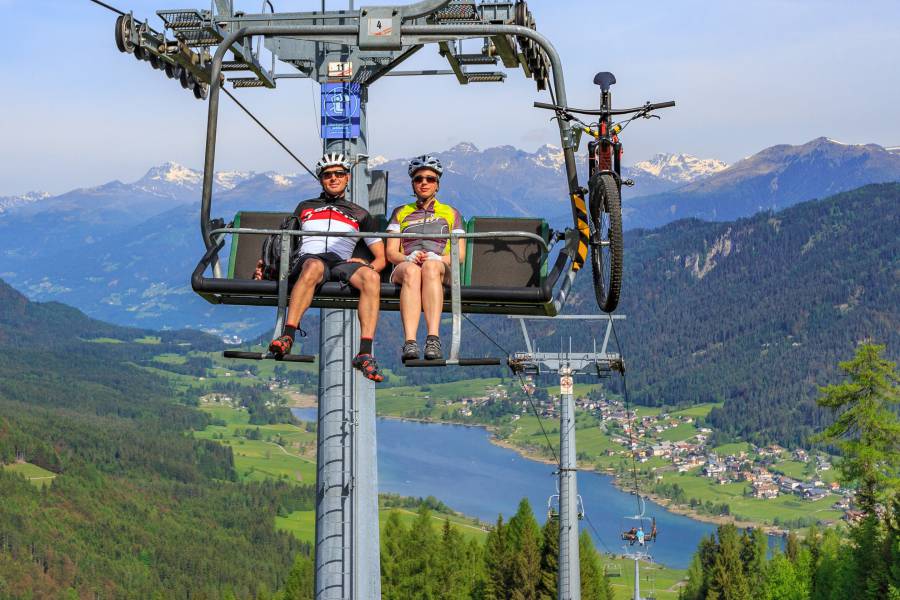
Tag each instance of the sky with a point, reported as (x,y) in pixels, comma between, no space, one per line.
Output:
(745,76)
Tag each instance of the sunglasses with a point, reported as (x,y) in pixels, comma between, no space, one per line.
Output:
(428,178)
(333,174)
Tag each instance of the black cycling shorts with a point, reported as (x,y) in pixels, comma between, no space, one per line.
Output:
(336,268)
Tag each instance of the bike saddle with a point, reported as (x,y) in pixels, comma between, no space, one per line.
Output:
(604,79)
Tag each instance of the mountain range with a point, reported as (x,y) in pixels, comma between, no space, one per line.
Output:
(775,178)
(102,248)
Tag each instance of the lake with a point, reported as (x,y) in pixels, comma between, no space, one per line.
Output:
(459,466)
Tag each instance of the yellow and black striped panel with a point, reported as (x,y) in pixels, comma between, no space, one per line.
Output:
(584,231)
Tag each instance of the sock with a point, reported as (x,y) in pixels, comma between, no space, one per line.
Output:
(290,331)
(432,337)
(365,346)
(410,341)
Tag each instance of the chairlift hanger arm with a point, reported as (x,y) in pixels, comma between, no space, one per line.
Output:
(415,34)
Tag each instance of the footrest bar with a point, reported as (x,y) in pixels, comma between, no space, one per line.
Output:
(461,362)
(300,358)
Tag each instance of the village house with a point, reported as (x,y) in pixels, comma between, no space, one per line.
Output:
(765,489)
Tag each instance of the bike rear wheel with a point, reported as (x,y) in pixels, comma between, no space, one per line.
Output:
(605,205)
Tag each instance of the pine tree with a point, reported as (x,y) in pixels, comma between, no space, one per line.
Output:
(754,549)
(392,537)
(456,569)
(525,552)
(784,580)
(727,579)
(549,560)
(420,563)
(867,428)
(497,563)
(792,547)
(694,588)
(299,583)
(594,582)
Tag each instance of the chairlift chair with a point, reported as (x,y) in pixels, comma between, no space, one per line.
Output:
(510,267)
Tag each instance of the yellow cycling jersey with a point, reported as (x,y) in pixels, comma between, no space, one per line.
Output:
(435,218)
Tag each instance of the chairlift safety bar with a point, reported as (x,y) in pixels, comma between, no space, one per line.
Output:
(455,280)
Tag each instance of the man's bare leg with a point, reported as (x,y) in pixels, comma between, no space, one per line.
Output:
(433,294)
(368,282)
(311,276)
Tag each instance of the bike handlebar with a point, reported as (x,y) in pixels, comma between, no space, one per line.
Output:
(616,111)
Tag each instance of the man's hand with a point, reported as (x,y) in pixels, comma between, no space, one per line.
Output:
(258,273)
(361,261)
(416,257)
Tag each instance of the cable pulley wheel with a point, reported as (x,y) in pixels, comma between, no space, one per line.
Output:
(186,79)
(140,53)
(123,34)
(172,71)
(521,14)
(200,91)
(154,61)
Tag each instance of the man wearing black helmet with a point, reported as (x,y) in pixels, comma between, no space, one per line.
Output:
(423,265)
(320,258)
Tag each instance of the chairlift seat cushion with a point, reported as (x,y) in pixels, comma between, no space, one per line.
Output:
(505,262)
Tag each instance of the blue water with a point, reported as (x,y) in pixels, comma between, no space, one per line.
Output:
(459,466)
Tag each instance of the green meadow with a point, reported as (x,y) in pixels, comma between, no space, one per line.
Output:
(33,473)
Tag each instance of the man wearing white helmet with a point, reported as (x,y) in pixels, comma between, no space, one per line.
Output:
(319,259)
(423,265)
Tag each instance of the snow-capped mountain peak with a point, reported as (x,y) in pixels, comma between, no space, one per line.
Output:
(9,202)
(172,172)
(680,168)
(550,157)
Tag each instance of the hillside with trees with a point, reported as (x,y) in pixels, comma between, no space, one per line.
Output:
(860,560)
(754,313)
(135,507)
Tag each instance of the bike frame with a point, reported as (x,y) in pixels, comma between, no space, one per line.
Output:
(605,154)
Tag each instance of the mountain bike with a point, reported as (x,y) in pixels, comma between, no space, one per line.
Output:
(605,184)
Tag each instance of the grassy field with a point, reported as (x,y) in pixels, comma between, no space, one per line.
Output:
(33,473)
(700,410)
(403,401)
(785,507)
(679,433)
(735,448)
(264,458)
(661,581)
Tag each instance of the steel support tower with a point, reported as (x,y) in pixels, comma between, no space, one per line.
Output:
(356,46)
(567,365)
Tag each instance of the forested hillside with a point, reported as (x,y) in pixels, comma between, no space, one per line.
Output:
(137,509)
(755,312)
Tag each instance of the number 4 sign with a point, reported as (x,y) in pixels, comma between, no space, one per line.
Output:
(381,27)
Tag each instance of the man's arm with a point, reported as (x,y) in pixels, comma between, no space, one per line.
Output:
(378,262)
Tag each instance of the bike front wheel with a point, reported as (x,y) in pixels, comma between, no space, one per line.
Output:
(605,205)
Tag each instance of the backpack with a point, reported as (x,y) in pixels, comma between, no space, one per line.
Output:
(271,248)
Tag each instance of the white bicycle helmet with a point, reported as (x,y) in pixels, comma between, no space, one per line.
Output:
(426,161)
(331,159)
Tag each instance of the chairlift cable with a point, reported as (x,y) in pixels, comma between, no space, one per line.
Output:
(272,135)
(236,101)
(108,7)
(628,415)
(525,389)
(597,535)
